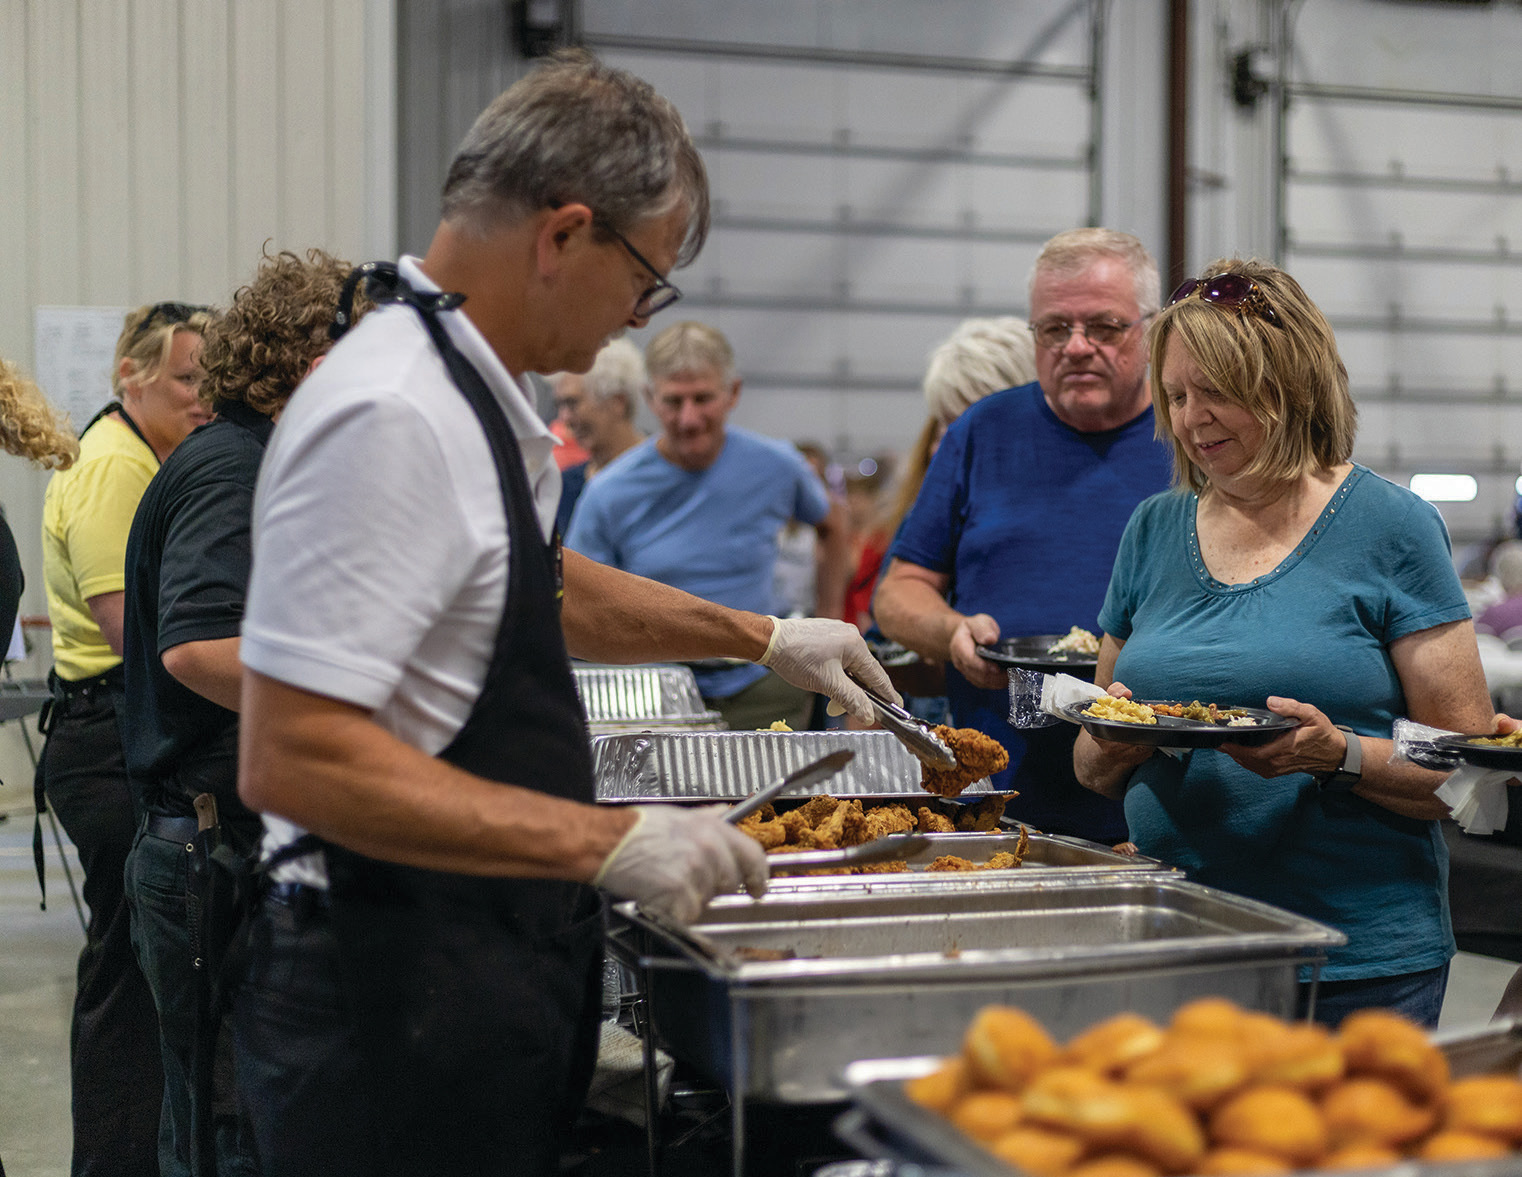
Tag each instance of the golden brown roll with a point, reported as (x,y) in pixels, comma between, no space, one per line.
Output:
(1276,1120)
(1304,1056)
(1208,1017)
(1450,1145)
(1240,1162)
(1490,1105)
(1371,1111)
(1005,1046)
(1109,1116)
(1384,1044)
(985,1115)
(1114,1043)
(1041,1152)
(941,1088)
(1199,1072)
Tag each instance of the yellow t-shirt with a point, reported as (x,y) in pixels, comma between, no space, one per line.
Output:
(86,516)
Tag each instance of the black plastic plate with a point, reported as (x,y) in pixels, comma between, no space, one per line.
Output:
(1169,732)
(1482,755)
(1030,653)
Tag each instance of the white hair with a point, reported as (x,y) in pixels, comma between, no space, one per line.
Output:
(619,370)
(982,356)
(1077,249)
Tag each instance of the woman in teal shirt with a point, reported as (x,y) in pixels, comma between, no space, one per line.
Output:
(1278,573)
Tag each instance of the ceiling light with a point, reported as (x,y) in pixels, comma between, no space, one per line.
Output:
(1445,488)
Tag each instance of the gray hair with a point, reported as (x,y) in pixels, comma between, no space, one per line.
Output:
(576,130)
(1076,249)
(619,370)
(1506,566)
(982,356)
(688,347)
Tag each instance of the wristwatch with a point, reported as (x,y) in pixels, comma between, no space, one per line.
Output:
(1350,771)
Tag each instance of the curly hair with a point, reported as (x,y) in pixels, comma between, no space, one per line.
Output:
(263,345)
(29,425)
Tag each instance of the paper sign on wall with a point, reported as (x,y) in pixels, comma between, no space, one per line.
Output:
(73,351)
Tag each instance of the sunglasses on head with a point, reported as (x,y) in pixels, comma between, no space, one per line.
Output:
(166,314)
(1237,292)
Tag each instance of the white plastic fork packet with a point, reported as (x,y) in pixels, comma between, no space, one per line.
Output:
(1061,690)
(1476,797)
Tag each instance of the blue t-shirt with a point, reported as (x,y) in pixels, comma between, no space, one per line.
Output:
(712,533)
(573,480)
(1025,513)
(1375,567)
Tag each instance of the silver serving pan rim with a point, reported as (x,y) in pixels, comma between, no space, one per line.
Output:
(1295,936)
(1104,862)
(876,1087)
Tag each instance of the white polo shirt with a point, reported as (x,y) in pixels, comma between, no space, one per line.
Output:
(380,544)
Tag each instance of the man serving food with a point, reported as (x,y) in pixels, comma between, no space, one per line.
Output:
(424,970)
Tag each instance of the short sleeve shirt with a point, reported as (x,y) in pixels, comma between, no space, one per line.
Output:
(1374,568)
(86,516)
(712,533)
(188,559)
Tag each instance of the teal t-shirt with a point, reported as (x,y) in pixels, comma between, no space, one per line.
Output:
(1375,567)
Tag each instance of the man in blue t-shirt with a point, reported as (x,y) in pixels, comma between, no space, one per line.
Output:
(700,507)
(1020,515)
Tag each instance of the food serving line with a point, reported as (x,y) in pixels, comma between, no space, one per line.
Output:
(775,999)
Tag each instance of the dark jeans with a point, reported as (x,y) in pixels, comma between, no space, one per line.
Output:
(299,1067)
(158,875)
(116,1077)
(1419,996)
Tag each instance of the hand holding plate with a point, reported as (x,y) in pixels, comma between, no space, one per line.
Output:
(971,632)
(1316,746)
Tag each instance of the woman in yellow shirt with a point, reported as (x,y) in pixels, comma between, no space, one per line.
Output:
(87,514)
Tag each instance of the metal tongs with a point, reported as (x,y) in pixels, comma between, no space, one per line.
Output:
(914,734)
(883,849)
(809,774)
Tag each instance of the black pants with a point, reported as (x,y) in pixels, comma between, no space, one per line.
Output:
(116,1076)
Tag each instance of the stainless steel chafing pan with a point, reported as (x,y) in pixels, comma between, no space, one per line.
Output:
(901,970)
(887,1126)
(726,766)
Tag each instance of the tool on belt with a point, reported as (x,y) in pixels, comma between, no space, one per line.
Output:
(206,943)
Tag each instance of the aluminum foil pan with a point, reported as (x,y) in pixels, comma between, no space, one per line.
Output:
(726,766)
(623,693)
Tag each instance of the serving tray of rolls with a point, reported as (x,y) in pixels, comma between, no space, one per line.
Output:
(1215,1090)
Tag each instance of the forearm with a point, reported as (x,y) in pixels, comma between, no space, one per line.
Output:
(917,617)
(613,616)
(209,668)
(1400,787)
(1101,768)
(328,767)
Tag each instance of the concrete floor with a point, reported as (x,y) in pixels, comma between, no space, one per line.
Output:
(37,987)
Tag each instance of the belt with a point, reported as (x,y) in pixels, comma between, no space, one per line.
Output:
(172,829)
(303,898)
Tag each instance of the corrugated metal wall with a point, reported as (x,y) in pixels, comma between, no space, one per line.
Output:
(149,150)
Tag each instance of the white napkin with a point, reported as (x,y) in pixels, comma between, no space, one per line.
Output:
(1477,799)
(1061,690)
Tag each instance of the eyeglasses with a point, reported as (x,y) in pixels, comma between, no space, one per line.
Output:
(1237,292)
(660,295)
(1055,333)
(166,314)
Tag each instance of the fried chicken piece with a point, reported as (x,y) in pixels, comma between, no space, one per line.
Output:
(983,816)
(892,866)
(977,756)
(933,823)
(887,819)
(843,824)
(1003,860)
(816,809)
(952,862)
(796,825)
(771,834)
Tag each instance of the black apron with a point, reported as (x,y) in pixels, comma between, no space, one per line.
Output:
(477,1000)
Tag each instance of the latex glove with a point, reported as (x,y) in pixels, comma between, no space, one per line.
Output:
(815,652)
(674,860)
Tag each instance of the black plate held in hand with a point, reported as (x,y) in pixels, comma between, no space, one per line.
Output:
(1508,759)
(1031,653)
(1169,732)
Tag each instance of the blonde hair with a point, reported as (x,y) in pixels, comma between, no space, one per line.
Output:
(148,347)
(980,357)
(29,425)
(1077,249)
(688,347)
(1287,374)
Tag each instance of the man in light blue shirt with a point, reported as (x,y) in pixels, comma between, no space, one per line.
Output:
(700,507)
